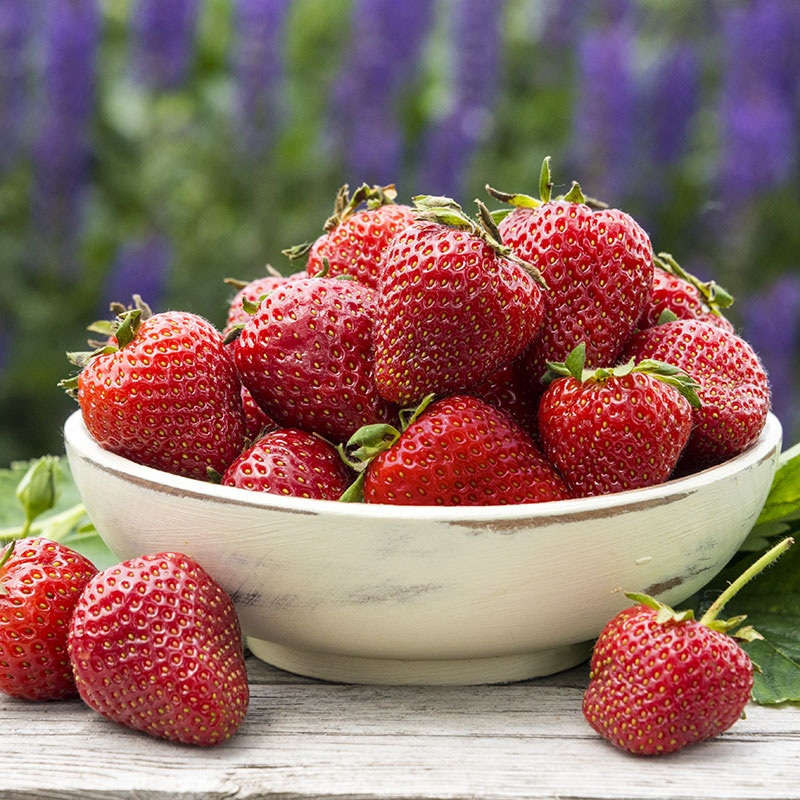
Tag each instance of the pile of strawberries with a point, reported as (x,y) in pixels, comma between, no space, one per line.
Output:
(535,353)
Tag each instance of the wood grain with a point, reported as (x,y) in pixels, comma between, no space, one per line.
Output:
(308,739)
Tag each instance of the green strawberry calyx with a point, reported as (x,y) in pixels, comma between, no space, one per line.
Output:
(519,200)
(446,211)
(711,293)
(665,614)
(4,557)
(575,367)
(371,440)
(344,207)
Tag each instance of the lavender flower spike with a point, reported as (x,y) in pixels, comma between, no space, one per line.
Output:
(15,27)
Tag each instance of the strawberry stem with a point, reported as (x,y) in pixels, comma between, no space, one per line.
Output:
(747,575)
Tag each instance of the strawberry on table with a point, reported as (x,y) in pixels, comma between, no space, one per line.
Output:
(661,680)
(306,357)
(165,394)
(40,583)
(598,265)
(156,645)
(454,304)
(455,451)
(290,462)
(734,390)
(683,296)
(355,238)
(610,430)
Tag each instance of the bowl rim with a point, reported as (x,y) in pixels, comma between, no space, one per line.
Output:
(81,445)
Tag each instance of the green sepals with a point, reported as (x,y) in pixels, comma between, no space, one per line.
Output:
(408,416)
(711,293)
(4,557)
(575,367)
(37,492)
(354,493)
(345,206)
(545,181)
(366,443)
(667,315)
(664,613)
(213,476)
(516,200)
(233,333)
(298,251)
(575,194)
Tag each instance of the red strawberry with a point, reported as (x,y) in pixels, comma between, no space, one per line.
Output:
(509,389)
(249,295)
(453,307)
(168,396)
(457,451)
(290,462)
(683,296)
(156,645)
(40,583)
(661,680)
(256,422)
(611,430)
(598,265)
(733,390)
(306,357)
(356,238)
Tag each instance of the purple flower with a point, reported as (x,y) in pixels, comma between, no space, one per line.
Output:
(771,324)
(477,72)
(673,99)
(259,66)
(15,27)
(604,117)
(757,111)
(386,41)
(61,149)
(163,36)
(142,267)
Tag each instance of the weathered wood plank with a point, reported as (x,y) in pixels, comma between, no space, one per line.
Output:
(308,739)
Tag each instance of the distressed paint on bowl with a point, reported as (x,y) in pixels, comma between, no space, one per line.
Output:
(385,594)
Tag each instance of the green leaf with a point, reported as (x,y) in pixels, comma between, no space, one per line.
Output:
(784,496)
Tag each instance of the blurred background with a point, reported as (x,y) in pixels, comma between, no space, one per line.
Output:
(159,146)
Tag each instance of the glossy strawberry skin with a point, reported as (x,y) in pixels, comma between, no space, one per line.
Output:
(734,389)
(672,293)
(252,293)
(598,266)
(462,451)
(44,580)
(509,390)
(293,463)
(171,399)
(622,433)
(156,645)
(657,687)
(450,313)
(256,422)
(306,357)
(356,246)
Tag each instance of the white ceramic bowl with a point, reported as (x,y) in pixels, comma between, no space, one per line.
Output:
(383,594)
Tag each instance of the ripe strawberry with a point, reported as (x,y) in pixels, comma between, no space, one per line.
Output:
(306,357)
(156,645)
(598,264)
(457,451)
(660,680)
(611,430)
(290,462)
(166,395)
(733,390)
(453,307)
(681,295)
(509,389)
(256,422)
(355,238)
(249,295)
(40,583)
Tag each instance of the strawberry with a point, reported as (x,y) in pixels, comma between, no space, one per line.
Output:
(306,357)
(510,390)
(598,265)
(453,305)
(355,238)
(40,583)
(678,294)
(733,386)
(256,422)
(166,395)
(290,462)
(249,294)
(610,430)
(156,645)
(661,680)
(456,451)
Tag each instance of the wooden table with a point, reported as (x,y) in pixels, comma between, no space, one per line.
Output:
(308,739)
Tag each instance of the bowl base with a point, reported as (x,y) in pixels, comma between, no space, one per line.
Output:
(467,671)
